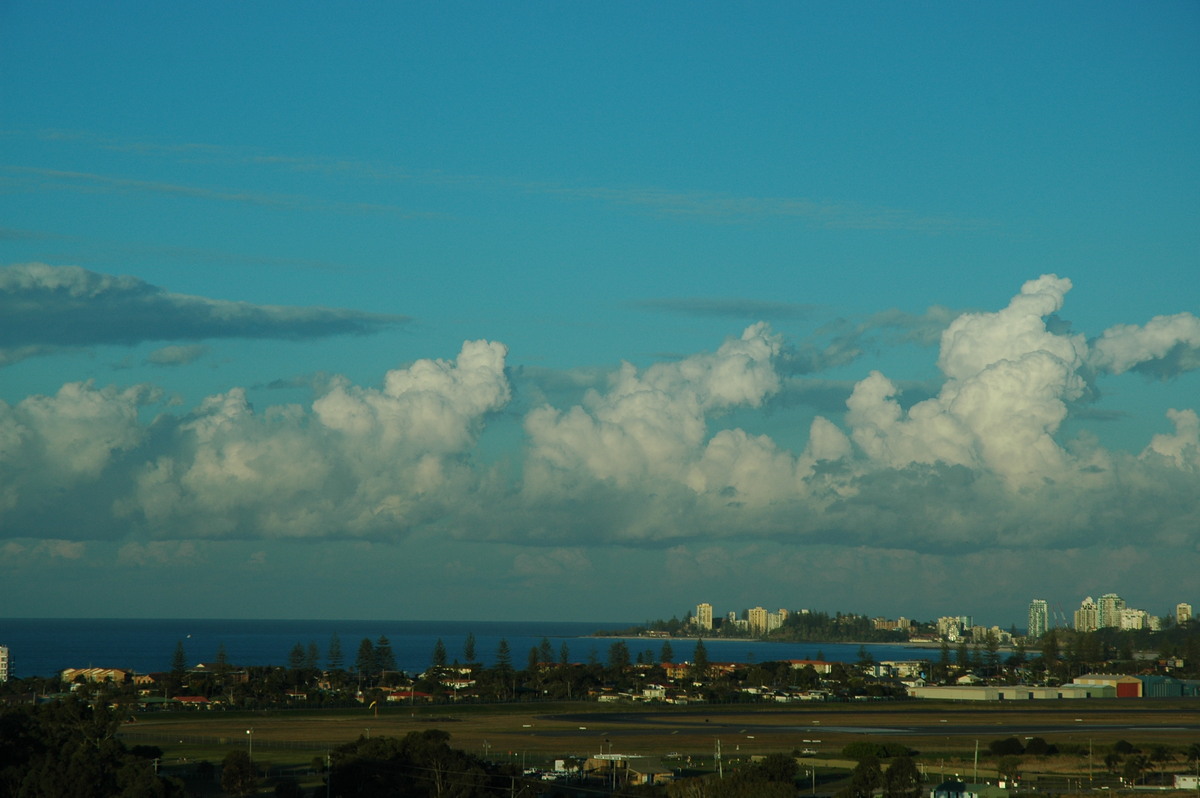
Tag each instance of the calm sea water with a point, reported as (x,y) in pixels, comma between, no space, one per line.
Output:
(42,647)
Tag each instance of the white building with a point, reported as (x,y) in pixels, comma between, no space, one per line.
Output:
(3,663)
(704,616)
(1110,610)
(1183,612)
(1087,617)
(1130,618)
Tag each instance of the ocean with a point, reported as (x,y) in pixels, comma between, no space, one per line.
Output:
(46,646)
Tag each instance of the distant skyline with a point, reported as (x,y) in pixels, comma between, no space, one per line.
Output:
(583,312)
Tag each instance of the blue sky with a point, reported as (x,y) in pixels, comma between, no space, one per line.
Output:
(596,310)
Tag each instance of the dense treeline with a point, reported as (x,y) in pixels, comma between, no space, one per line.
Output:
(69,749)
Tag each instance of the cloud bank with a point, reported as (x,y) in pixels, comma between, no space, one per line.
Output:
(46,308)
(648,458)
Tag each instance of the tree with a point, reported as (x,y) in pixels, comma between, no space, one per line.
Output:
(364,663)
(296,658)
(334,656)
(503,656)
(564,655)
(503,668)
(439,654)
(1009,746)
(618,656)
(68,749)
(179,661)
(1135,766)
(545,651)
(1037,746)
(700,660)
(992,646)
(942,670)
(962,657)
(902,778)
(1009,767)
(1017,658)
(866,777)
(385,660)
(469,648)
(667,655)
(237,774)
(1050,649)
(312,656)
(779,767)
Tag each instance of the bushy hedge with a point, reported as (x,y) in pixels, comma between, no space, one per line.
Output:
(863,749)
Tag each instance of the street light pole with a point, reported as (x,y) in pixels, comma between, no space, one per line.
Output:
(250,735)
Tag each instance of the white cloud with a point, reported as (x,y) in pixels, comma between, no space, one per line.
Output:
(366,462)
(1182,448)
(652,459)
(651,425)
(1008,381)
(1165,346)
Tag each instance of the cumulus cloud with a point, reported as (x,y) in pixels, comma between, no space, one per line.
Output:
(43,308)
(649,425)
(1163,347)
(1008,381)
(677,456)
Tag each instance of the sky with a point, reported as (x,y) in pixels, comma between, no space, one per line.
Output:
(596,311)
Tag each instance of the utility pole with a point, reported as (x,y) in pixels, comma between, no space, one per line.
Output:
(720,766)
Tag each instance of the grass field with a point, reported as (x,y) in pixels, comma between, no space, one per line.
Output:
(945,735)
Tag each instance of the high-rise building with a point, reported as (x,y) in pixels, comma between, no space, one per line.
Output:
(1087,617)
(1110,607)
(1183,612)
(704,616)
(950,627)
(1038,616)
(1133,619)
(758,620)
(3,664)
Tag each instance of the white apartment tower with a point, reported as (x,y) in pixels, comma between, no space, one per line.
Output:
(3,664)
(1110,610)
(1183,612)
(1087,617)
(1038,616)
(704,616)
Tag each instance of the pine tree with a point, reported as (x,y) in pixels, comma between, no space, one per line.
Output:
(296,657)
(439,654)
(385,660)
(365,662)
(334,658)
(469,648)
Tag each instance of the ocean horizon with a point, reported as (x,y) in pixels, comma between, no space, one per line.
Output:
(46,646)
